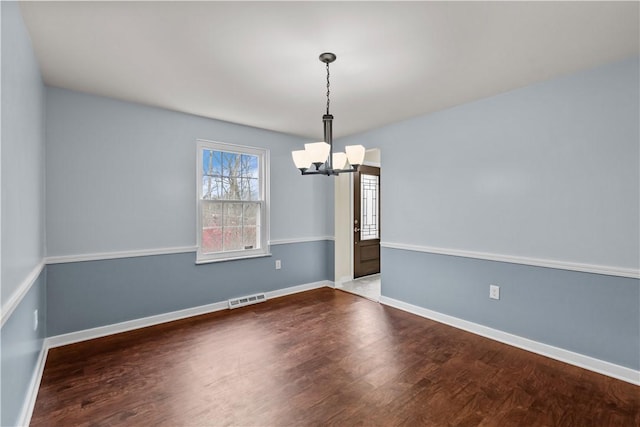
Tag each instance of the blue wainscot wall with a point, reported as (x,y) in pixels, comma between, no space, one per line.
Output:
(91,294)
(20,352)
(591,314)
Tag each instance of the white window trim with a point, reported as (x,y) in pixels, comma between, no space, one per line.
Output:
(264,159)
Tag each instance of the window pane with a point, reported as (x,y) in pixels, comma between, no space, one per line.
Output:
(232,214)
(233,225)
(211,174)
(211,227)
(211,187)
(230,164)
(251,225)
(232,240)
(211,214)
(250,237)
(369,207)
(244,188)
(254,189)
(211,162)
(211,239)
(230,176)
(249,166)
(251,214)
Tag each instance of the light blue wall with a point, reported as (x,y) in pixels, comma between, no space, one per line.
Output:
(83,295)
(121,176)
(548,171)
(22,188)
(22,153)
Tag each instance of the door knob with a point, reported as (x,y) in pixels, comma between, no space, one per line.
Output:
(356,229)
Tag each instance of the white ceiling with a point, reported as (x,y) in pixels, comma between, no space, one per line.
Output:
(257,63)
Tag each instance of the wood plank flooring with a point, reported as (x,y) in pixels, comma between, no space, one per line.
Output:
(322,357)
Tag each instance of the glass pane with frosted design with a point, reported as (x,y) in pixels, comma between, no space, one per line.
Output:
(369,193)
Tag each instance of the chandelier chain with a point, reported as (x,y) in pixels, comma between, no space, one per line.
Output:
(328,88)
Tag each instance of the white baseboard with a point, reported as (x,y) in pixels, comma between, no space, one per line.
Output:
(129,325)
(102,331)
(596,365)
(34,385)
(300,288)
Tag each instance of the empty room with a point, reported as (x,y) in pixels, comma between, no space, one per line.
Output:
(320,213)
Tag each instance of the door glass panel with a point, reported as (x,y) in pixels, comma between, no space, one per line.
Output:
(369,190)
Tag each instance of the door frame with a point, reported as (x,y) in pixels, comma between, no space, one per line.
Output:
(343,216)
(351,209)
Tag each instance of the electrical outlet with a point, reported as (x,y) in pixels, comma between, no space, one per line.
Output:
(278,264)
(494,291)
(35,319)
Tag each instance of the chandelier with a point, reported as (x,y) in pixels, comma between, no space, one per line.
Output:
(320,154)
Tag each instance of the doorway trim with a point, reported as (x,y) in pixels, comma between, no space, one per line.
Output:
(346,275)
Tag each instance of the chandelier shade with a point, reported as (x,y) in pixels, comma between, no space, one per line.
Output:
(301,159)
(355,154)
(339,160)
(320,154)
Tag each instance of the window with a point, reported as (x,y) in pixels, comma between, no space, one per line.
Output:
(233,201)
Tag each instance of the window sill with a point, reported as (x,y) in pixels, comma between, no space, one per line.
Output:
(235,258)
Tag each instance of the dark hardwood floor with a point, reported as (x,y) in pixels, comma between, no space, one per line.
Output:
(322,357)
